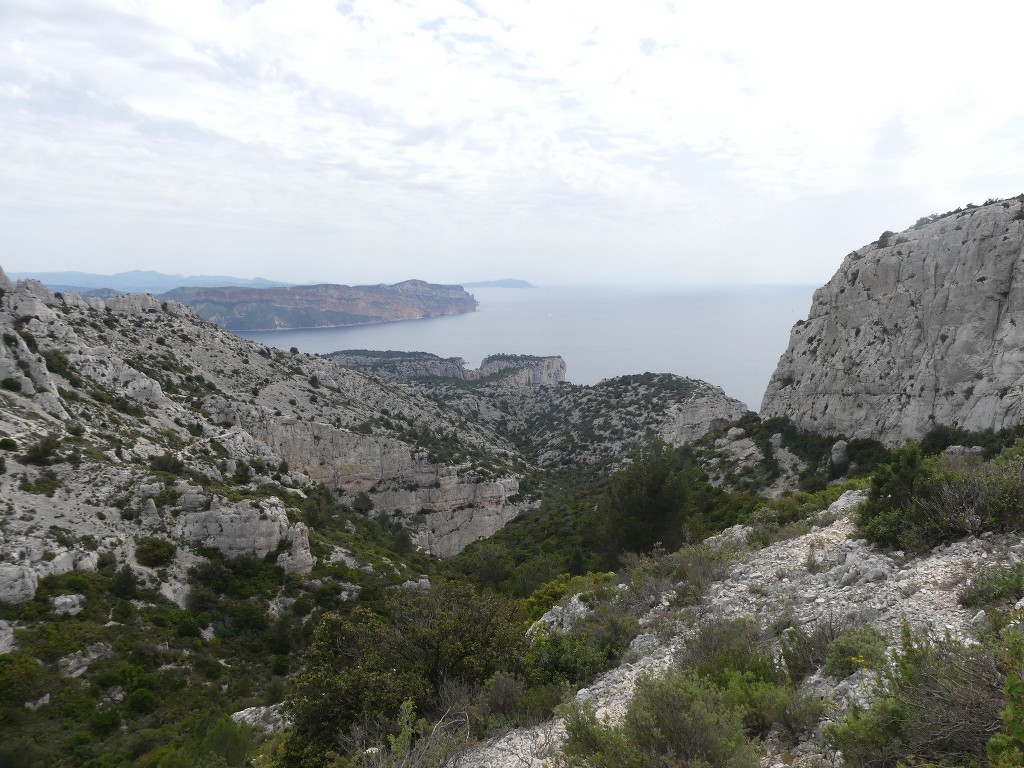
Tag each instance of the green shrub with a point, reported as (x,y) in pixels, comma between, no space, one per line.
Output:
(167,462)
(366,665)
(858,648)
(733,655)
(804,651)
(1006,748)
(997,584)
(11,385)
(917,502)
(228,740)
(939,703)
(141,701)
(153,552)
(724,646)
(43,452)
(46,484)
(677,720)
(566,659)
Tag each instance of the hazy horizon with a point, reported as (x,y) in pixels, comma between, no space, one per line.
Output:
(637,286)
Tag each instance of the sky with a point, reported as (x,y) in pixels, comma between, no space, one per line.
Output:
(560,141)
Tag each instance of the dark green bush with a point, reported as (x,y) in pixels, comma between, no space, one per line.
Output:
(43,452)
(167,462)
(675,721)
(141,701)
(154,552)
(46,484)
(858,648)
(366,665)
(724,646)
(804,650)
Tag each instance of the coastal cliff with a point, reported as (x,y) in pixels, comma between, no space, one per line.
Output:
(321,306)
(918,329)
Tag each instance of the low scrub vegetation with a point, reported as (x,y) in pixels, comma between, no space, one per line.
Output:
(939,703)
(918,501)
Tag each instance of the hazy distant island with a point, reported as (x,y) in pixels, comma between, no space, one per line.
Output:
(323,306)
(508,282)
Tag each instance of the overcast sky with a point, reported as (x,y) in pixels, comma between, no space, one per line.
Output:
(555,141)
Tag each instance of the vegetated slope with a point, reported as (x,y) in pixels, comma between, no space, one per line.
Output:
(572,426)
(918,329)
(213,499)
(812,648)
(321,306)
(168,529)
(421,462)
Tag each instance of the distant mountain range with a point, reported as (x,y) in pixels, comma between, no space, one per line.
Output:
(137,281)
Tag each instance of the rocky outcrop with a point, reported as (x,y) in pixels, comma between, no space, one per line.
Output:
(572,425)
(919,329)
(517,370)
(17,583)
(321,306)
(522,370)
(265,719)
(249,528)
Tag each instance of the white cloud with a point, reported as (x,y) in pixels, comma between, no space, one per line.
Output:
(585,140)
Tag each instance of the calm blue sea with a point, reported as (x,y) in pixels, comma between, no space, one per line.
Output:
(731,336)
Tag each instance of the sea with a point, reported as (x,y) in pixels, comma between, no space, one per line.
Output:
(728,335)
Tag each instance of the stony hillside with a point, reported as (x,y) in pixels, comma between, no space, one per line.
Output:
(825,577)
(322,306)
(591,426)
(181,508)
(918,329)
(127,387)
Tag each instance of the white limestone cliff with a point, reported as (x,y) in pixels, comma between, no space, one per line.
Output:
(920,329)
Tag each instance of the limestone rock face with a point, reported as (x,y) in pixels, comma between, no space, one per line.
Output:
(245,528)
(266,719)
(916,330)
(691,419)
(17,583)
(456,505)
(298,559)
(517,370)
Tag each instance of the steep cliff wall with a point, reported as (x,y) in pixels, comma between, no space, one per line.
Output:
(921,328)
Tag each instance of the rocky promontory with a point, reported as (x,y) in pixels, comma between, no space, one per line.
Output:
(918,329)
(322,306)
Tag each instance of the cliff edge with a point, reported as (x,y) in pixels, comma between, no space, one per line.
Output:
(918,329)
